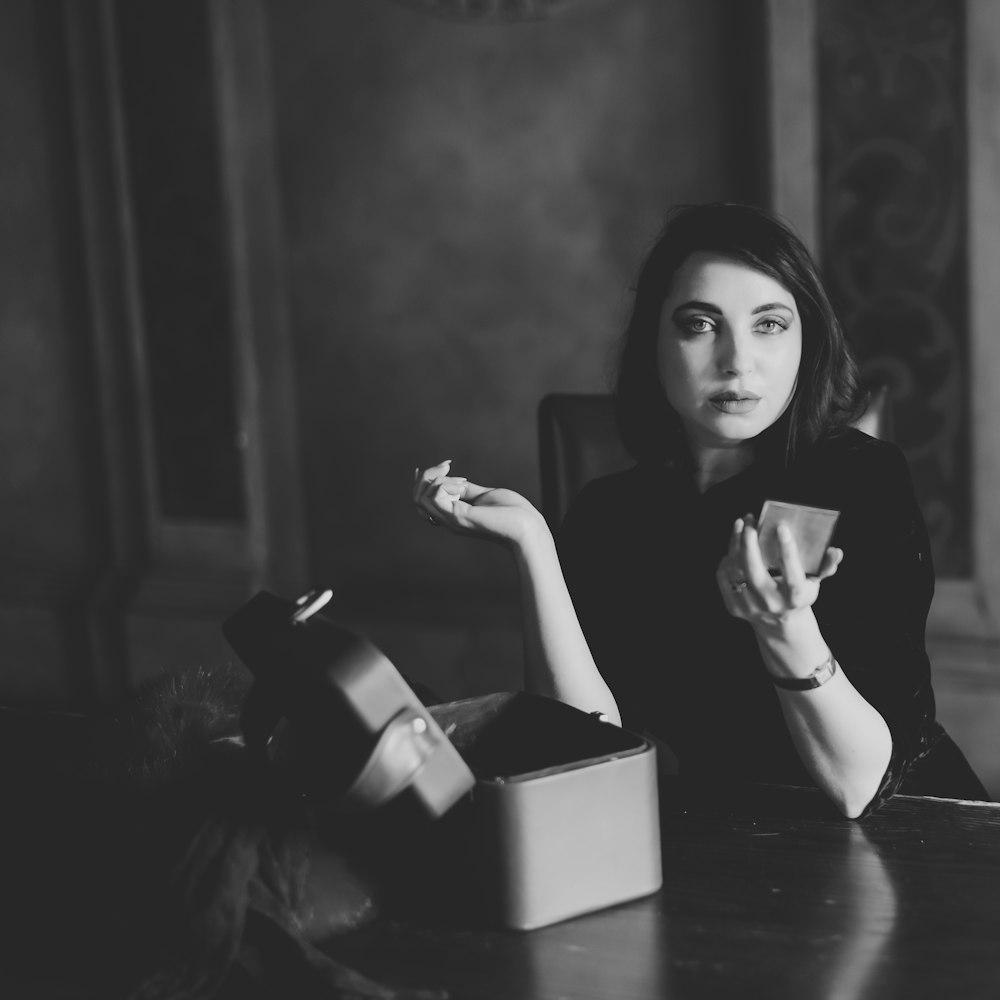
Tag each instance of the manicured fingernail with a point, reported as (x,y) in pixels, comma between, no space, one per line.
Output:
(784,532)
(738,525)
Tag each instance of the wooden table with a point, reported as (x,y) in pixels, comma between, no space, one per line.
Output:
(768,895)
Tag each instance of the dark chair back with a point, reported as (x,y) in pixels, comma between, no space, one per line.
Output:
(577,441)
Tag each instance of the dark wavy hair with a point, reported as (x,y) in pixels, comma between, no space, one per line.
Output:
(828,396)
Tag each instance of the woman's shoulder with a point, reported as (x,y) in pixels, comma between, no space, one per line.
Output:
(855,453)
(638,484)
(606,491)
(853,469)
(851,441)
(617,504)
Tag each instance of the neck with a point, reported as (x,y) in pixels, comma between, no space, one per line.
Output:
(715,464)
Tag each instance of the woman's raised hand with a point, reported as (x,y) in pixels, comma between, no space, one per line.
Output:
(748,589)
(453,502)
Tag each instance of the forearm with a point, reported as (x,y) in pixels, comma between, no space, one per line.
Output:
(558,661)
(843,741)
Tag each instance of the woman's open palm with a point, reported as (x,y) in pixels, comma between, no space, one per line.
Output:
(498,515)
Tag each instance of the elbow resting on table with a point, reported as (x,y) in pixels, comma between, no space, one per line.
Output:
(852,801)
(852,808)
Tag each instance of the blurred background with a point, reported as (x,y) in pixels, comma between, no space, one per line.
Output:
(261,258)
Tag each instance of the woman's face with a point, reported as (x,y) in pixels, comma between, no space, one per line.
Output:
(729,347)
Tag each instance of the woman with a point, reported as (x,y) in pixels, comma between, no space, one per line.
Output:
(735,386)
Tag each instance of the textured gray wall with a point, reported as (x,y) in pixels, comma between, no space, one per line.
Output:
(51,532)
(40,412)
(466,206)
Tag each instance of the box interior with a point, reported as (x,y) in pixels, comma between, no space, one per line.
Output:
(512,734)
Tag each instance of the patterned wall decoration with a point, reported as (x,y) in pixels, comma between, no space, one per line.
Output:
(893,231)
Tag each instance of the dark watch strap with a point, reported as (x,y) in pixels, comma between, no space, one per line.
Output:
(816,679)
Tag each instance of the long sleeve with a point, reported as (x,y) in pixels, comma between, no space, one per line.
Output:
(874,611)
(639,551)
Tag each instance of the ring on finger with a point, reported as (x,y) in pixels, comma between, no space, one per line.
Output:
(738,586)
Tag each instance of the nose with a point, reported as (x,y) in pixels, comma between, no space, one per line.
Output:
(734,355)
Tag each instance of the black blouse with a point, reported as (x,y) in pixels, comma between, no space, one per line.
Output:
(640,549)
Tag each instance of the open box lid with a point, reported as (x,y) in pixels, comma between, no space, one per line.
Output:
(366,737)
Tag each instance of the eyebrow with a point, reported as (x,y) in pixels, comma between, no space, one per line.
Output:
(699,306)
(708,307)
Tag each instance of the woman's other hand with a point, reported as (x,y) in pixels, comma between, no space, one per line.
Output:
(748,589)
(464,508)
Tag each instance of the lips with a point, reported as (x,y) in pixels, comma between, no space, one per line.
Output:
(735,402)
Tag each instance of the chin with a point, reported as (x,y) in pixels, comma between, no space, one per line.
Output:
(732,431)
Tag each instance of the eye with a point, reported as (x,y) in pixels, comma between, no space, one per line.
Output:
(694,325)
(772,325)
